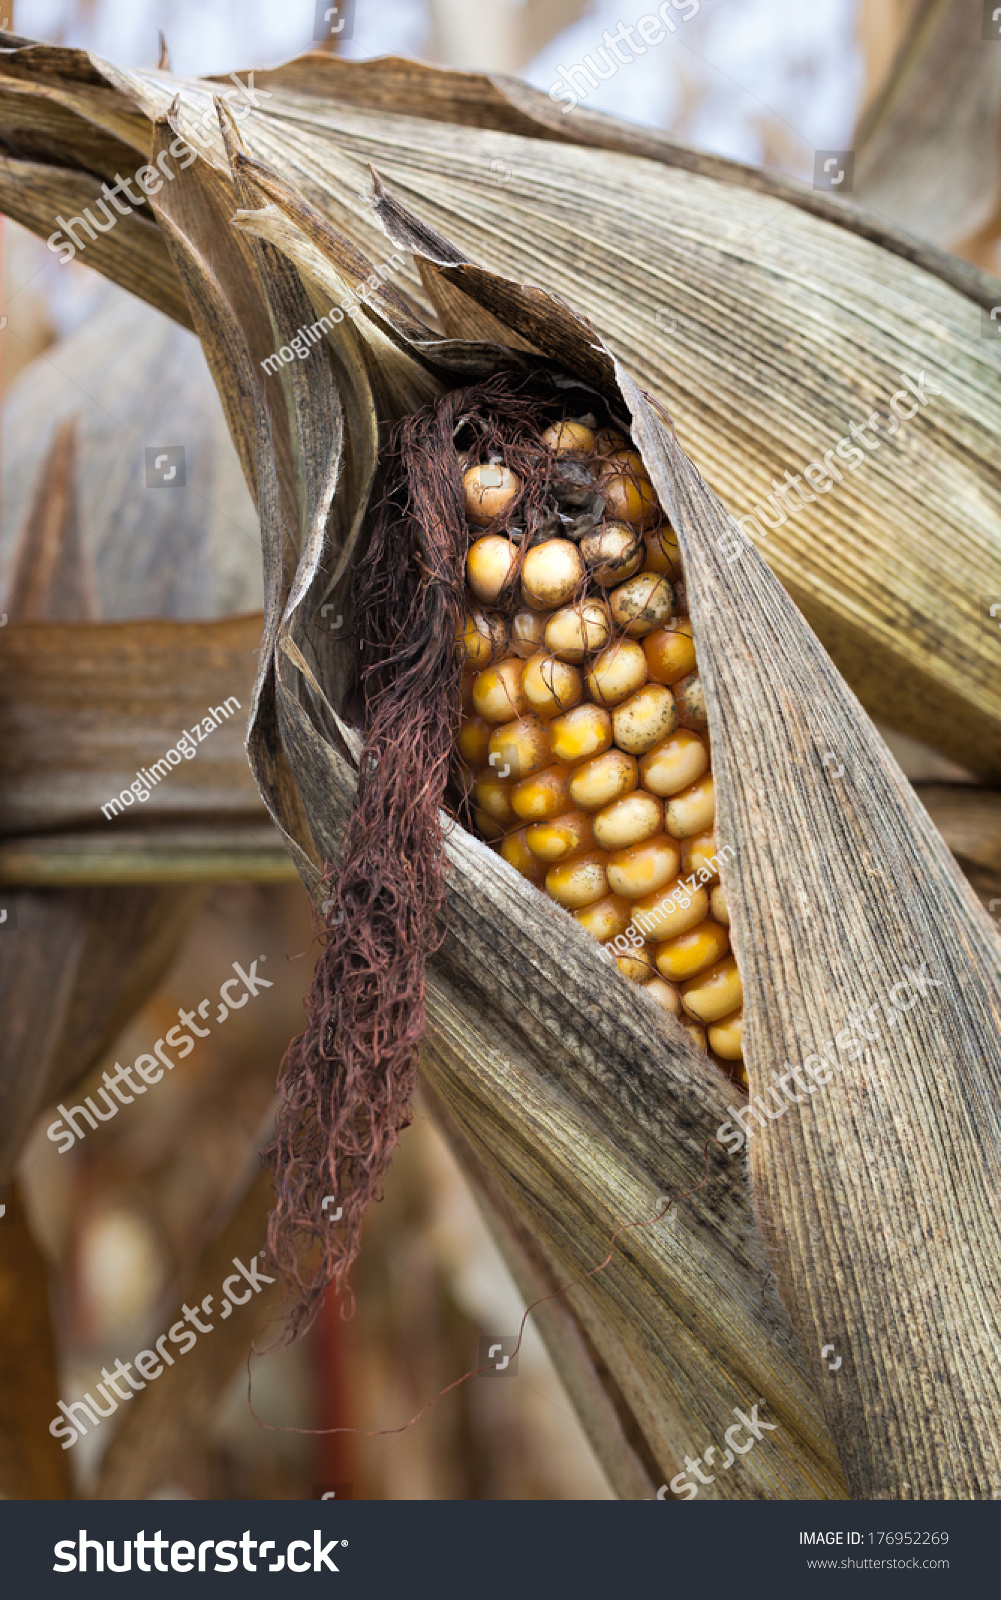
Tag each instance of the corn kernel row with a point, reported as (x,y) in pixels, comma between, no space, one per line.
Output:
(583,750)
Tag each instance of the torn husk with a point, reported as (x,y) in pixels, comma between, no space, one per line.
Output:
(882,1241)
(773,318)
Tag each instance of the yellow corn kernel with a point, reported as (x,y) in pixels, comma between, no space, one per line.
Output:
(643,868)
(690,953)
(645,719)
(578,882)
(613,553)
(695,1033)
(486,827)
(642,603)
(473,741)
(718,906)
(550,686)
(665,994)
(514,849)
(490,567)
(669,652)
(490,491)
(527,632)
(632,819)
(713,994)
(726,1037)
(582,733)
(692,810)
(675,764)
(603,779)
(661,550)
(494,797)
(698,855)
(517,749)
(628,494)
(606,919)
(616,672)
(569,439)
(691,702)
(560,839)
(497,692)
(670,911)
(574,631)
(544,795)
(551,574)
(483,636)
(638,966)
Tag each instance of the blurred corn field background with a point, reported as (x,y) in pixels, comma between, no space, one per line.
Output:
(128,1219)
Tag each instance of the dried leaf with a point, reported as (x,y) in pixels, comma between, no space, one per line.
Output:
(771,317)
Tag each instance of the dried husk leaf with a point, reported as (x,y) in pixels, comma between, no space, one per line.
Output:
(769,315)
(815,929)
(671,1380)
(925,155)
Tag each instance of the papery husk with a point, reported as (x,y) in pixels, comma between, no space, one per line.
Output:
(579,1100)
(927,148)
(770,316)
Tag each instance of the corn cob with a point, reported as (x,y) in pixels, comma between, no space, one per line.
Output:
(583,755)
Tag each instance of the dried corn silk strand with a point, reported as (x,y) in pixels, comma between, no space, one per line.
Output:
(347,1080)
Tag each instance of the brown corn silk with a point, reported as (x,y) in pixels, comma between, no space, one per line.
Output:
(347,1080)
